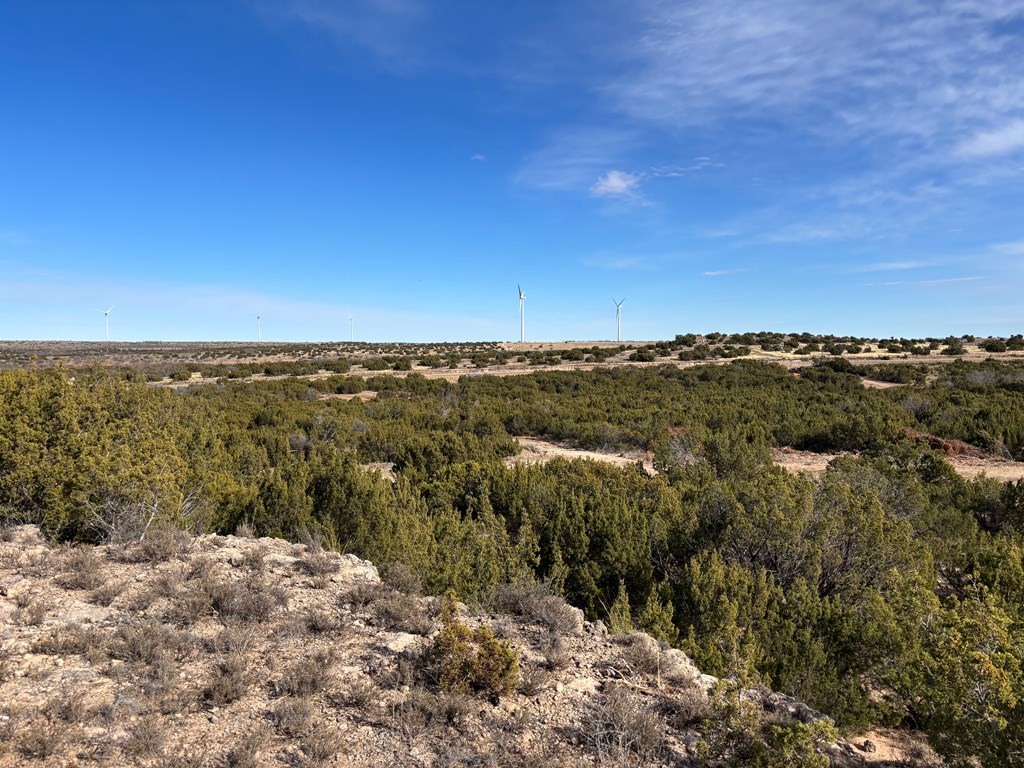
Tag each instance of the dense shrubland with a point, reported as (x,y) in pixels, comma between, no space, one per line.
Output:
(889,590)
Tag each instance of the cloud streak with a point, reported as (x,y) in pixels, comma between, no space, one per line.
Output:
(617,184)
(724,272)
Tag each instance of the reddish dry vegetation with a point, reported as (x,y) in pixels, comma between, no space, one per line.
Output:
(183,652)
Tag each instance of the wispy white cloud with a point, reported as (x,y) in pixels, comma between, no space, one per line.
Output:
(927,283)
(893,266)
(1010,249)
(993,142)
(573,158)
(391,31)
(478,157)
(930,69)
(619,184)
(724,272)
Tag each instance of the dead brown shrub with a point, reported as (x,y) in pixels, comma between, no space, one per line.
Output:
(69,707)
(292,716)
(107,593)
(362,594)
(42,739)
(146,737)
(319,621)
(320,743)
(230,681)
(536,603)
(307,677)
(641,654)
(246,751)
(534,681)
(400,577)
(31,615)
(555,653)
(253,559)
(147,641)
(402,613)
(624,730)
(82,569)
(161,542)
(319,563)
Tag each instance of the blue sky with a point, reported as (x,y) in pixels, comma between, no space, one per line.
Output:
(839,167)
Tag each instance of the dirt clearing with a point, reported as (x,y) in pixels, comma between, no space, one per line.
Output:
(969,467)
(537,451)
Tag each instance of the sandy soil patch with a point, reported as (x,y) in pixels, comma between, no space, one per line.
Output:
(537,451)
(873,384)
(969,467)
(385,469)
(366,394)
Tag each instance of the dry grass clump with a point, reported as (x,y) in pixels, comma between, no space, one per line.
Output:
(254,559)
(69,707)
(146,738)
(237,639)
(361,694)
(689,706)
(400,578)
(292,716)
(362,594)
(307,677)
(320,743)
(319,621)
(82,568)
(246,751)
(107,592)
(641,654)
(168,582)
(319,563)
(403,613)
(29,613)
(534,681)
(148,641)
(230,681)
(536,603)
(624,730)
(556,654)
(161,542)
(41,739)
(206,593)
(181,760)
(421,712)
(75,640)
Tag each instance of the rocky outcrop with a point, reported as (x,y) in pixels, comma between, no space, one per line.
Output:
(226,651)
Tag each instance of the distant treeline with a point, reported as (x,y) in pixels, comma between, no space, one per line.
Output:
(890,590)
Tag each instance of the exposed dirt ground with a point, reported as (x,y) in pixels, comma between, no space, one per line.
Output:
(966,466)
(536,451)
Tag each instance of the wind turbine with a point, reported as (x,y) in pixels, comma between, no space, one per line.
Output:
(259,328)
(618,320)
(106,320)
(351,329)
(522,314)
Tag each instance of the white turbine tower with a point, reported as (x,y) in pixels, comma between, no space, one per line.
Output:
(351,328)
(259,328)
(106,321)
(522,314)
(618,320)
